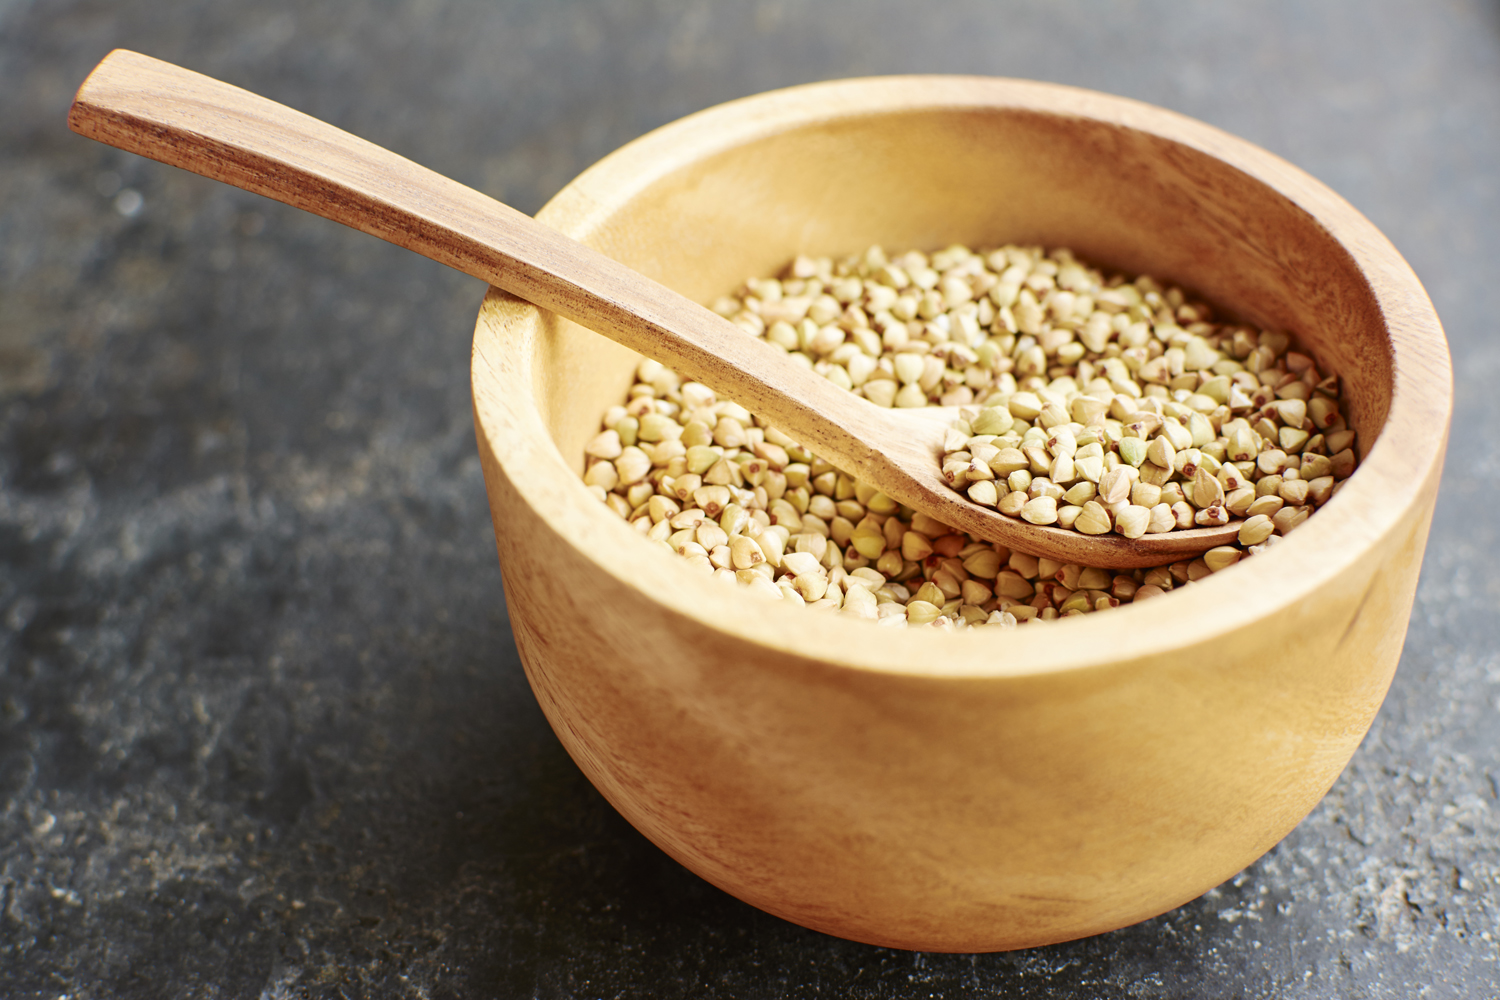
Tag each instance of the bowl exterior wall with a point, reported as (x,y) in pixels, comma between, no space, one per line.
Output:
(954,793)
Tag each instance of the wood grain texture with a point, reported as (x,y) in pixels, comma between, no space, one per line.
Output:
(183,118)
(990,790)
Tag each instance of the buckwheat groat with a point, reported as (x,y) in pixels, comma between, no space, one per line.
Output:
(1087,401)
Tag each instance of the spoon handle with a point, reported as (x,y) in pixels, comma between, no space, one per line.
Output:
(192,121)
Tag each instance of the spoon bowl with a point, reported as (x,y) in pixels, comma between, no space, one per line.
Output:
(915,448)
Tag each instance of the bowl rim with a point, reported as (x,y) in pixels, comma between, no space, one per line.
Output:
(1388,489)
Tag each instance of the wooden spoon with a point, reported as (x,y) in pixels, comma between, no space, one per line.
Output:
(189,120)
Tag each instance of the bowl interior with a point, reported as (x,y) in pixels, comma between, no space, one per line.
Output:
(923,178)
(922,162)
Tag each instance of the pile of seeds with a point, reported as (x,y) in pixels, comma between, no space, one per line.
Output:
(1098,403)
(1162,420)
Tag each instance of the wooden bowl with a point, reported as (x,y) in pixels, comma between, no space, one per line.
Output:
(988,790)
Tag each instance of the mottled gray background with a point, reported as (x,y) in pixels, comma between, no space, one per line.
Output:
(263,732)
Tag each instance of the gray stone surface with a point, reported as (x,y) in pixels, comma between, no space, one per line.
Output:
(263,732)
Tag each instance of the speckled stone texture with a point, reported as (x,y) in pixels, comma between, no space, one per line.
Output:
(263,731)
